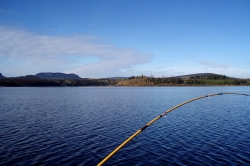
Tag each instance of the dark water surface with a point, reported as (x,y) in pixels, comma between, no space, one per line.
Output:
(80,126)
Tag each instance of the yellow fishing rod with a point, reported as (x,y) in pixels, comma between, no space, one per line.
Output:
(158,117)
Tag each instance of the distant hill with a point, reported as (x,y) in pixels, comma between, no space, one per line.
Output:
(204,79)
(57,76)
(1,76)
(196,74)
(202,76)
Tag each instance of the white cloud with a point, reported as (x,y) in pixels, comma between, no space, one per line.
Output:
(48,51)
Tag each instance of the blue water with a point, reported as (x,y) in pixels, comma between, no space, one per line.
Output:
(80,126)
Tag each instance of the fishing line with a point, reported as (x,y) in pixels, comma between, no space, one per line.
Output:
(158,117)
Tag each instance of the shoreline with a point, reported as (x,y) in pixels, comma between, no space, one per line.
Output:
(126,86)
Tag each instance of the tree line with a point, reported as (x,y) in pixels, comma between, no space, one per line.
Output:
(19,82)
(212,79)
(131,81)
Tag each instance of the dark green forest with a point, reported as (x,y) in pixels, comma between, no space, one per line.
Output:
(19,82)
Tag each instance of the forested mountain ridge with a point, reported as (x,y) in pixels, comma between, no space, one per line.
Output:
(61,79)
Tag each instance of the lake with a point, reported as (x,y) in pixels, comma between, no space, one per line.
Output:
(82,125)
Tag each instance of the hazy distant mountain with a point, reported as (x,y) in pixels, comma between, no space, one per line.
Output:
(57,76)
(1,76)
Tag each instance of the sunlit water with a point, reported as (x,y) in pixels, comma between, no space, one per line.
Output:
(80,126)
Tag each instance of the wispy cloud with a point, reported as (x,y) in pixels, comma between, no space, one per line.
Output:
(213,65)
(222,68)
(47,51)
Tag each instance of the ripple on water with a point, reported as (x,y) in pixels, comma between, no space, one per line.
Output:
(80,126)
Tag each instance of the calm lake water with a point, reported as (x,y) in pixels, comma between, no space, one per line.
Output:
(80,126)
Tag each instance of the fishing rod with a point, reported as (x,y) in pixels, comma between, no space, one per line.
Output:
(158,117)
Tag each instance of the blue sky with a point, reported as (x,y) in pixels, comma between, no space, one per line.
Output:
(105,38)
